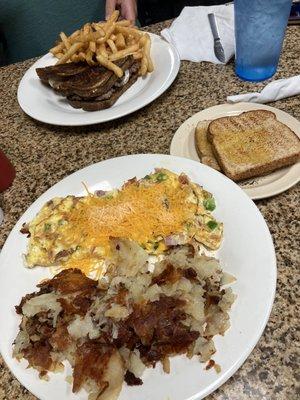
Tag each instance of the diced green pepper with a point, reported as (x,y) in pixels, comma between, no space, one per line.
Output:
(212,225)
(209,204)
(47,227)
(161,177)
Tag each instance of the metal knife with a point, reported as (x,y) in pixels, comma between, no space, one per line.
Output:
(218,48)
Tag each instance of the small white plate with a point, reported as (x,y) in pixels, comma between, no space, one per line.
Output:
(183,145)
(43,104)
(247,252)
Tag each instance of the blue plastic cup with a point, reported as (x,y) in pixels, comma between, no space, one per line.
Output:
(259,32)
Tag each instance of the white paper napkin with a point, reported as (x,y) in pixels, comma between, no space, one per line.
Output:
(191,34)
(275,90)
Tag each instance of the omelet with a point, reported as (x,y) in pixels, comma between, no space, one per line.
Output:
(159,211)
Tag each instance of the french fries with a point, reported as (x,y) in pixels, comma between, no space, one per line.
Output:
(75,34)
(105,43)
(123,22)
(144,66)
(110,65)
(120,41)
(81,56)
(128,31)
(99,29)
(92,47)
(102,50)
(112,45)
(147,53)
(137,55)
(57,49)
(86,29)
(114,16)
(68,54)
(123,53)
(89,58)
(65,40)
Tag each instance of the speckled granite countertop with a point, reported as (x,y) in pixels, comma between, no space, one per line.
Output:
(45,154)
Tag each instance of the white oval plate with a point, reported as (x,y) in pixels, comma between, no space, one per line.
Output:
(247,252)
(40,102)
(183,145)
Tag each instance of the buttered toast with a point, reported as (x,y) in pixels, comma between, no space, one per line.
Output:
(251,144)
(203,146)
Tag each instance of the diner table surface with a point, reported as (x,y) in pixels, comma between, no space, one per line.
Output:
(43,154)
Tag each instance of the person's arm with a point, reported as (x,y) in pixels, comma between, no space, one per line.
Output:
(128,8)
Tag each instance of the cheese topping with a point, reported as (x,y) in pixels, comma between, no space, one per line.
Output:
(158,211)
(140,213)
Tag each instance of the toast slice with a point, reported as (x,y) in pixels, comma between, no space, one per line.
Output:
(96,105)
(203,146)
(253,143)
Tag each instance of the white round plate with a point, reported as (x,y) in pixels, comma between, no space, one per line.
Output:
(183,145)
(247,252)
(42,103)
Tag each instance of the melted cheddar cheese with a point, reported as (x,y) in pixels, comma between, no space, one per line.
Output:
(137,213)
(77,232)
